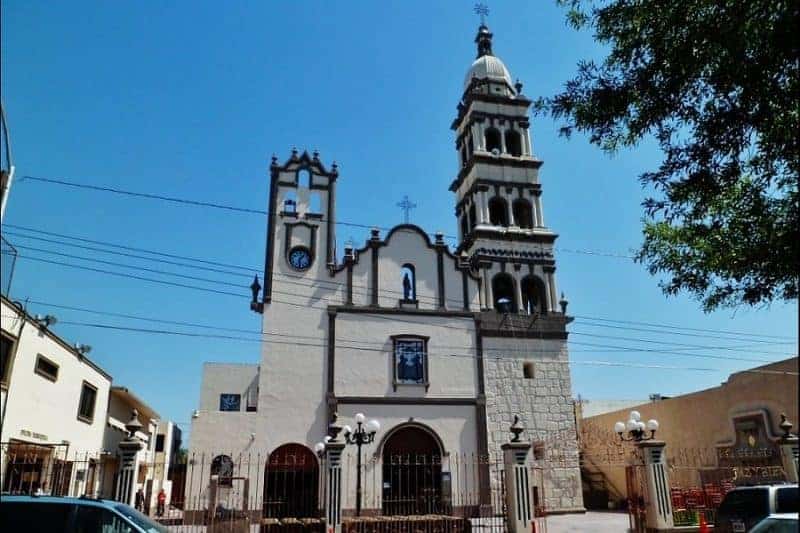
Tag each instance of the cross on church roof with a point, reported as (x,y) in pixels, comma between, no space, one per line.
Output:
(482,10)
(406,206)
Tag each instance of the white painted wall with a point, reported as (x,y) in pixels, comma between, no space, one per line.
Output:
(50,409)
(369,372)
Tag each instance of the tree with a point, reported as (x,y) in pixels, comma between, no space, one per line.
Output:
(715,83)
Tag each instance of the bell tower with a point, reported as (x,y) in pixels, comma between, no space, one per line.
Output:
(498,194)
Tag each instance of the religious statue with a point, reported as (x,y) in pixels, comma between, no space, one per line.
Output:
(407,287)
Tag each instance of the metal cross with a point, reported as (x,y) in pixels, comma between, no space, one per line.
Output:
(406,206)
(482,10)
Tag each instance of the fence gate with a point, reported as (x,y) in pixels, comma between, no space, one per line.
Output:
(636,485)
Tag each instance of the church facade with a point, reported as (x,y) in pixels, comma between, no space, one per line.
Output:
(442,347)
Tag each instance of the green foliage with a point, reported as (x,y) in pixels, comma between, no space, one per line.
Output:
(716,83)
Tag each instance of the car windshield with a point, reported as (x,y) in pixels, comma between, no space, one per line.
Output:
(748,502)
(140,519)
(786,500)
(774,525)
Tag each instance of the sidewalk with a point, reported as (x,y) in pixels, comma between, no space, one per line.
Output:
(590,522)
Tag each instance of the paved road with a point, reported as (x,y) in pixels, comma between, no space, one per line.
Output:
(590,522)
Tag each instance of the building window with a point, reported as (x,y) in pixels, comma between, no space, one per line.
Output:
(513,143)
(6,348)
(304,178)
(290,203)
(523,214)
(409,281)
(222,467)
(527,370)
(86,405)
(493,140)
(503,292)
(159,443)
(410,360)
(498,212)
(46,368)
(230,402)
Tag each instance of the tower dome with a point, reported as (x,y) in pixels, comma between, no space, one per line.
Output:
(487,66)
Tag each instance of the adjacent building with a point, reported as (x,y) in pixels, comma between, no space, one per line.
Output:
(726,434)
(63,420)
(54,405)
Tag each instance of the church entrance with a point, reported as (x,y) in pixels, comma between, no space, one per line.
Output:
(412,473)
(291,483)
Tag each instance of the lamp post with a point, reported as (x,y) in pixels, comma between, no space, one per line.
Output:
(364,433)
(637,430)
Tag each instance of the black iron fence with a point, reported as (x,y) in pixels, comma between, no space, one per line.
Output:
(285,489)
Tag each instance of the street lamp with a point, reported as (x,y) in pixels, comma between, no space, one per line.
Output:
(637,430)
(363,434)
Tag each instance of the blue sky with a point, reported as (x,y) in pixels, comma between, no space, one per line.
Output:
(190,99)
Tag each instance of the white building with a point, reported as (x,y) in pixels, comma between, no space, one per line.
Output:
(442,347)
(54,406)
(62,420)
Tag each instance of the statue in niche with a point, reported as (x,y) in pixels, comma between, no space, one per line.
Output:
(407,289)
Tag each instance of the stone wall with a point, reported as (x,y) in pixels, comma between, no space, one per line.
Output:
(544,405)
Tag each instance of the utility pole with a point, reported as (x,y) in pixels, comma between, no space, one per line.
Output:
(7,170)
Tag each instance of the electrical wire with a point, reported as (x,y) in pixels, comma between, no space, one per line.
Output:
(663,329)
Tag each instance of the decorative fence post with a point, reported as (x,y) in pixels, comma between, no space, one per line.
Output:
(333,478)
(790,450)
(658,502)
(518,484)
(129,462)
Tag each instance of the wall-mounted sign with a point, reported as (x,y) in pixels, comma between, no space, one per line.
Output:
(32,434)
(754,456)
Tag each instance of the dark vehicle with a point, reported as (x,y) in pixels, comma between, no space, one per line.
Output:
(54,514)
(744,507)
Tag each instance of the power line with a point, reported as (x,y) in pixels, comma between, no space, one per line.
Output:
(228,207)
(254,332)
(470,330)
(663,329)
(669,326)
(388,352)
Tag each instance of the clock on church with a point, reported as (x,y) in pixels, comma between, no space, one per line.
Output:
(300,257)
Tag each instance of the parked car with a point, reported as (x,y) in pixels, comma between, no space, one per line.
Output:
(777,523)
(50,514)
(743,507)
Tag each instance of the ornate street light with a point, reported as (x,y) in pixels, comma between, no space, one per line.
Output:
(363,434)
(637,430)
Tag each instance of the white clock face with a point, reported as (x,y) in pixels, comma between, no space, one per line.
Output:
(300,258)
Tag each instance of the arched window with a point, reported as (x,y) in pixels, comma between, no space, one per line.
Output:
(464,155)
(469,147)
(408,279)
(304,178)
(523,214)
(493,140)
(503,292)
(533,295)
(513,143)
(222,467)
(464,225)
(473,217)
(498,212)
(290,202)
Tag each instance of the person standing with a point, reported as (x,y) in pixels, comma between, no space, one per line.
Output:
(139,502)
(162,500)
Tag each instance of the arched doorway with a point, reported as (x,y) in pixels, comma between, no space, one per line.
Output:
(291,483)
(412,472)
